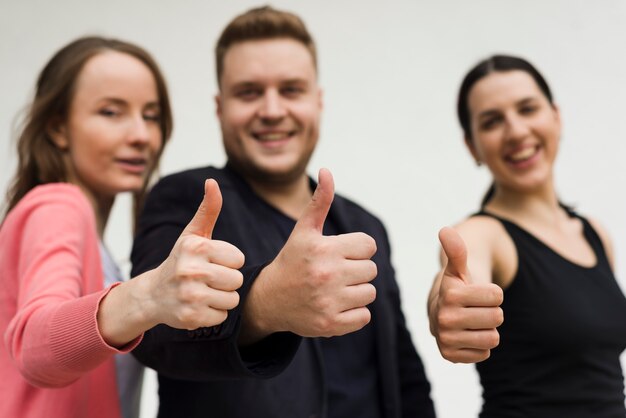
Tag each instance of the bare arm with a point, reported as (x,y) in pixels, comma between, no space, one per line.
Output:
(194,287)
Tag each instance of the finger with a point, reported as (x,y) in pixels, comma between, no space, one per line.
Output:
(485,339)
(470,319)
(220,300)
(211,317)
(225,254)
(221,278)
(357,296)
(204,220)
(315,213)
(473,295)
(355,245)
(354,272)
(352,320)
(465,355)
(456,252)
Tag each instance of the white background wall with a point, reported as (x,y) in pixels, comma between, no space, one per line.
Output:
(390,71)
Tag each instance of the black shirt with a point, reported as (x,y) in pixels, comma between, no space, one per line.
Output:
(563,332)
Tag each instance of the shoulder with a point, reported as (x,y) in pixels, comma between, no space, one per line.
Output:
(65,196)
(52,211)
(491,251)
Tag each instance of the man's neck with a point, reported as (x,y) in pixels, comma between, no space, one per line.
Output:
(291,198)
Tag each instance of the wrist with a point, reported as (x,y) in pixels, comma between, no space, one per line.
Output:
(257,312)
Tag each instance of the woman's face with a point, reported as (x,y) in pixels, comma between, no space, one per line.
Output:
(515,130)
(112,135)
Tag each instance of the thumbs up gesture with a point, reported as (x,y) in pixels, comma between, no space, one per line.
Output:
(317,285)
(196,285)
(463,314)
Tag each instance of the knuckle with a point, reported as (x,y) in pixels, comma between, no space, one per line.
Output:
(446,319)
(446,340)
(187,317)
(323,325)
(451,296)
(187,295)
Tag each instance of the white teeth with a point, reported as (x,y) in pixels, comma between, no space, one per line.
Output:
(523,154)
(272,136)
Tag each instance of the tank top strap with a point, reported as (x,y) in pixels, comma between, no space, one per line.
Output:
(592,236)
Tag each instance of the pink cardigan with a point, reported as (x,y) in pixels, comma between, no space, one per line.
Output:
(54,362)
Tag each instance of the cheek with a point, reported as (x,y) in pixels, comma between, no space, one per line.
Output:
(237,116)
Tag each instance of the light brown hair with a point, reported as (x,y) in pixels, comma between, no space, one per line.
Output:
(258,24)
(40,161)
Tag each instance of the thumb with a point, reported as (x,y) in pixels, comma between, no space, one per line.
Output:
(204,220)
(456,252)
(315,213)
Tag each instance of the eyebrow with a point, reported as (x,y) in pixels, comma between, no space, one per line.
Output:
(493,112)
(121,102)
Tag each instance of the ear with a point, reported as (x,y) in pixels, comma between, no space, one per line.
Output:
(320,98)
(472,148)
(218,105)
(58,134)
(557,112)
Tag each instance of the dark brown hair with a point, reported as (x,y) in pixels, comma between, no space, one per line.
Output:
(258,24)
(40,161)
(495,63)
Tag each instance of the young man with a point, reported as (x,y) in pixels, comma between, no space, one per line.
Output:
(269,106)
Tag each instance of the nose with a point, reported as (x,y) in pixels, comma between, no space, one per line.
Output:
(517,128)
(272,106)
(138,130)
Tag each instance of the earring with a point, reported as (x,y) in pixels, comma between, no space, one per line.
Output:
(478,163)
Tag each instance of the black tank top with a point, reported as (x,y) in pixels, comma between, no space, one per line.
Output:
(563,332)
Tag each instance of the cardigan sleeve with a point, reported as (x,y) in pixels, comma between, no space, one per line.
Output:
(53,338)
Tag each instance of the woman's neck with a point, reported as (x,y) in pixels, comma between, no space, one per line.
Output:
(538,206)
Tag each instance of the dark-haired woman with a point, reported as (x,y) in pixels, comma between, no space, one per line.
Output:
(96,128)
(551,346)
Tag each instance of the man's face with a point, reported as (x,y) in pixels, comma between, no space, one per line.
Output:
(269,108)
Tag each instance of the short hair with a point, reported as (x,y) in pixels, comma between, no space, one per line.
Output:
(259,24)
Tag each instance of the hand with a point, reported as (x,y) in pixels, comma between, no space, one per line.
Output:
(464,315)
(317,285)
(196,285)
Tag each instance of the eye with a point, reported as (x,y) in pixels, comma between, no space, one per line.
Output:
(292,91)
(109,112)
(152,116)
(528,109)
(248,94)
(490,122)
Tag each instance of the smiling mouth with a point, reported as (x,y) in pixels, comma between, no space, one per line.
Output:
(273,136)
(523,155)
